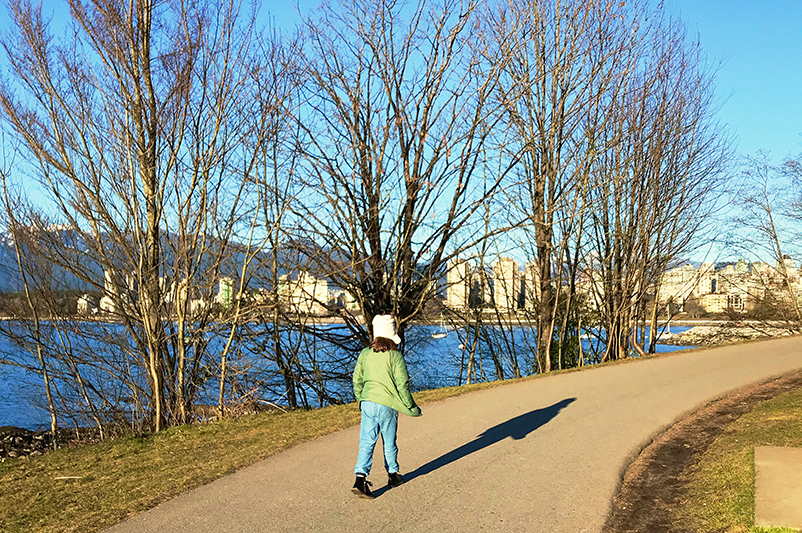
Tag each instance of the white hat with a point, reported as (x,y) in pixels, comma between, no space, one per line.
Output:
(384,326)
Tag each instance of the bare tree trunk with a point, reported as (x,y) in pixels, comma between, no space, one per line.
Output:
(17,233)
(653,333)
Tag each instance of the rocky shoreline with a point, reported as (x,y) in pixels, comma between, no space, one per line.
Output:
(726,333)
(22,443)
(18,442)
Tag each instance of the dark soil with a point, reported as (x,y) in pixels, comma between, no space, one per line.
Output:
(655,483)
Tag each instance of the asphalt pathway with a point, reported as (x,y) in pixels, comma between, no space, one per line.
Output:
(542,455)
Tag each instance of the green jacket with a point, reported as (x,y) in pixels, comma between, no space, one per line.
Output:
(381,377)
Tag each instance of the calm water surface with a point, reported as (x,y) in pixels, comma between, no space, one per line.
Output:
(432,363)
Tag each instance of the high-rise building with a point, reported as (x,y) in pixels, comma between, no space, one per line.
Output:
(679,284)
(458,290)
(107,302)
(531,285)
(87,305)
(506,284)
(109,284)
(707,279)
(483,287)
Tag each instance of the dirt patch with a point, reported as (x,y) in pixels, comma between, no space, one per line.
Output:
(656,481)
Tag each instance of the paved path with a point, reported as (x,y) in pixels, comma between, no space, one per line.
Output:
(778,487)
(544,455)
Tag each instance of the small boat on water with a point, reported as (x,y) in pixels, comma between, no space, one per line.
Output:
(440,334)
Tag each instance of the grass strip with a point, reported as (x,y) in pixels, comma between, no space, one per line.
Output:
(721,493)
(91,487)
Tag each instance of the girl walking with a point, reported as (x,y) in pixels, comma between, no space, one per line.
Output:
(381,386)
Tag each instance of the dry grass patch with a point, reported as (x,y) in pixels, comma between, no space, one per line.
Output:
(102,484)
(722,489)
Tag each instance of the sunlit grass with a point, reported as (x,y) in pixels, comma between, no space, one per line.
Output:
(722,490)
(91,487)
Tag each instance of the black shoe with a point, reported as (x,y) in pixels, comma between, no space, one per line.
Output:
(362,487)
(395,479)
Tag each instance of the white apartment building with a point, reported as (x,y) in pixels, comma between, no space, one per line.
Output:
(531,285)
(458,279)
(679,284)
(303,293)
(482,287)
(107,304)
(735,286)
(506,284)
(87,305)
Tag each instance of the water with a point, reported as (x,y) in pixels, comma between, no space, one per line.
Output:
(432,363)
(18,399)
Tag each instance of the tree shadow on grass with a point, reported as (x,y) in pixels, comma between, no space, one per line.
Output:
(517,428)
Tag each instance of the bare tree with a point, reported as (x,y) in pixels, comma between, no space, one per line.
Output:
(21,245)
(562,63)
(656,183)
(138,129)
(766,225)
(394,125)
(276,336)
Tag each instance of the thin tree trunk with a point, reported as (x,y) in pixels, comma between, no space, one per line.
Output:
(36,324)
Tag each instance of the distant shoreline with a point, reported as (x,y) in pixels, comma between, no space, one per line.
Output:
(319,320)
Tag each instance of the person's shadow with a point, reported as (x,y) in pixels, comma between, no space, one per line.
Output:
(517,428)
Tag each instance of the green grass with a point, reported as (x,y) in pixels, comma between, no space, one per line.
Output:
(722,489)
(118,478)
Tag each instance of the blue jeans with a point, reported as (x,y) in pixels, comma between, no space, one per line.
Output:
(377,418)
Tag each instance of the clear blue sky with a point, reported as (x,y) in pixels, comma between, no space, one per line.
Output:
(756,46)
(759,44)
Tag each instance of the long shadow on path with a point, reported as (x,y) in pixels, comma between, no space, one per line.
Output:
(517,428)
